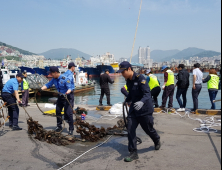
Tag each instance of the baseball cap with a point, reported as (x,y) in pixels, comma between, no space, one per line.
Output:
(53,69)
(148,71)
(164,67)
(20,75)
(72,64)
(124,66)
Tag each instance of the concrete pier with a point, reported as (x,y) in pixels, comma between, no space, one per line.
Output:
(182,148)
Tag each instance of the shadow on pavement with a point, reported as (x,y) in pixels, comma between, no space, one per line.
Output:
(215,148)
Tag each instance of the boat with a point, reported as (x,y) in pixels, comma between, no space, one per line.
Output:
(98,70)
(7,75)
(34,70)
(115,66)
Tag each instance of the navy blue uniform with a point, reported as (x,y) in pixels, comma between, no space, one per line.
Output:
(63,84)
(139,91)
(7,95)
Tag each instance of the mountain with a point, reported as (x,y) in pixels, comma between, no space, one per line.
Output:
(185,54)
(63,52)
(134,59)
(157,55)
(205,54)
(18,49)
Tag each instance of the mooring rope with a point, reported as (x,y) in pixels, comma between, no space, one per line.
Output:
(206,124)
(86,153)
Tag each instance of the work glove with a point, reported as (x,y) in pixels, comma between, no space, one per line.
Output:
(163,87)
(138,105)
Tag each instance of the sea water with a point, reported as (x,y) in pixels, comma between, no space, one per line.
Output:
(92,97)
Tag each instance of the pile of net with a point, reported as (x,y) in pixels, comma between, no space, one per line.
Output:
(93,134)
(51,137)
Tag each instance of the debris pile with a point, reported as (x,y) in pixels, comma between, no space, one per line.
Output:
(51,137)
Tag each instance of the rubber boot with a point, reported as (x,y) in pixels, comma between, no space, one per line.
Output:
(133,156)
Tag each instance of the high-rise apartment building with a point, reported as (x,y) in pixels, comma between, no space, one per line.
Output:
(144,56)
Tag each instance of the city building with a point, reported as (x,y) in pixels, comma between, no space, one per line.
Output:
(122,60)
(144,57)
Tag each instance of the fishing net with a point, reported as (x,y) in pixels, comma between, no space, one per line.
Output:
(36,81)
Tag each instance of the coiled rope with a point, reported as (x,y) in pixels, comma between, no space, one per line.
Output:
(206,124)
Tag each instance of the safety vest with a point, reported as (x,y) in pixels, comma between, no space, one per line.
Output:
(153,82)
(126,88)
(170,80)
(25,85)
(213,83)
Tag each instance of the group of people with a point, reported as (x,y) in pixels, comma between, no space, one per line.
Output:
(182,85)
(141,95)
(65,87)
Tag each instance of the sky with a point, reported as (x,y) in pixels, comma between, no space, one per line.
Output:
(99,26)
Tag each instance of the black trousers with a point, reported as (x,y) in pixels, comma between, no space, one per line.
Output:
(155,93)
(182,92)
(168,92)
(13,111)
(68,112)
(195,95)
(1,86)
(105,91)
(146,123)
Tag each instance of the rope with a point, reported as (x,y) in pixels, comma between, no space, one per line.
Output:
(4,105)
(206,124)
(85,153)
(65,98)
(136,31)
(139,141)
(43,112)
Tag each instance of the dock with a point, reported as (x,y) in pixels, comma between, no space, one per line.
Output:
(182,148)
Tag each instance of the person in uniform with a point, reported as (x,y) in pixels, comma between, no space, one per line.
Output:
(141,109)
(154,85)
(168,87)
(10,95)
(25,91)
(69,74)
(104,85)
(64,86)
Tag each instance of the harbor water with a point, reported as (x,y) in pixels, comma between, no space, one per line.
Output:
(92,97)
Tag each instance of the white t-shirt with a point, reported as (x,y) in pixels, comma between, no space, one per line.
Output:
(199,75)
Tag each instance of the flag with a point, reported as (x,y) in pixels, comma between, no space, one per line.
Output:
(3,62)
